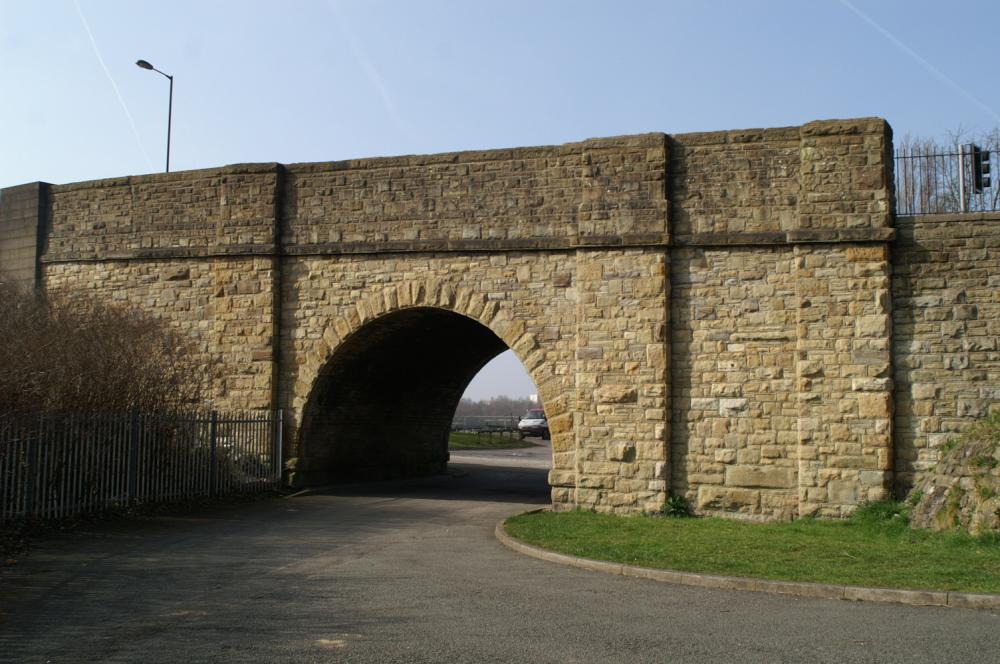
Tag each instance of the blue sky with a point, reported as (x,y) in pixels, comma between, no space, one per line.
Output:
(325,80)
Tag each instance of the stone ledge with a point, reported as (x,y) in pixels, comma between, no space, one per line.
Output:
(803,236)
(162,253)
(797,589)
(462,246)
(173,176)
(643,240)
(628,141)
(635,240)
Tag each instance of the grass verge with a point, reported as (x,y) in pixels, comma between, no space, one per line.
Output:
(876,548)
(461,440)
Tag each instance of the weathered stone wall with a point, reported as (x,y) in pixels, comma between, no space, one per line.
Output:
(735,409)
(845,175)
(946,326)
(621,385)
(704,314)
(826,181)
(843,370)
(22,231)
(735,182)
(220,211)
(553,197)
(780,318)
(224,305)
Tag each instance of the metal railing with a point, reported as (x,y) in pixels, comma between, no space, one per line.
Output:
(484,423)
(942,182)
(58,465)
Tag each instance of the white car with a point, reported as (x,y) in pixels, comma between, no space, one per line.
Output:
(534,424)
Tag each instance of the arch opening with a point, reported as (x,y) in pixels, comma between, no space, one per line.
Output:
(382,406)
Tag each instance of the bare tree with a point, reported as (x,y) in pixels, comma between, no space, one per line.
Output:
(928,174)
(82,355)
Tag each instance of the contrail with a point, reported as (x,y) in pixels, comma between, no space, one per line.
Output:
(97,51)
(371,73)
(924,63)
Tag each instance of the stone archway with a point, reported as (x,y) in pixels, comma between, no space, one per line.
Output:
(376,396)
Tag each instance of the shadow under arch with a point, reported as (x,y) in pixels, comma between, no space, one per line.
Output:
(381,404)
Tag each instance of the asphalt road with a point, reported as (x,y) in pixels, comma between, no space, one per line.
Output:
(412,573)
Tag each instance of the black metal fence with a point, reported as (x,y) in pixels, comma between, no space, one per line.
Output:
(58,465)
(946,181)
(478,423)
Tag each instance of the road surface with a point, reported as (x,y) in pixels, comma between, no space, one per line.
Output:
(412,573)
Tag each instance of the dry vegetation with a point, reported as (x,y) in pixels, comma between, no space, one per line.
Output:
(962,490)
(82,355)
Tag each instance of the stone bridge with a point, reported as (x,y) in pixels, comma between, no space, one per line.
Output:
(709,315)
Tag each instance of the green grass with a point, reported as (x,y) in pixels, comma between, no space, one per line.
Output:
(485,441)
(876,548)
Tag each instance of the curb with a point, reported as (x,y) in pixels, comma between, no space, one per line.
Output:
(794,588)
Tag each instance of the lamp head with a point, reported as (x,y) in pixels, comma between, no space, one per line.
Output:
(143,64)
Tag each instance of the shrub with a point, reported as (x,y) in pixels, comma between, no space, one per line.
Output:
(676,507)
(77,354)
(881,512)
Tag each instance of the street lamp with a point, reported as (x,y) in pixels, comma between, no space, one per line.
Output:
(170,105)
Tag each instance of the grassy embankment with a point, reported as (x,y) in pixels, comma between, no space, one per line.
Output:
(875,548)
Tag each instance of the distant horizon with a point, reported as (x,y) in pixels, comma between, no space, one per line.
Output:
(504,375)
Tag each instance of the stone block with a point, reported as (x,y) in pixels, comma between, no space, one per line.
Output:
(616,394)
(872,326)
(875,405)
(621,452)
(809,368)
(730,500)
(924,390)
(732,407)
(562,477)
(965,312)
(844,492)
(873,478)
(871,385)
(771,477)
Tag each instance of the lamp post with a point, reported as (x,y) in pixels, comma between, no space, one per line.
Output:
(170,104)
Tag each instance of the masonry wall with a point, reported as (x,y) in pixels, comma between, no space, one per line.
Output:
(780,318)
(621,389)
(22,226)
(735,182)
(223,305)
(735,409)
(946,326)
(591,192)
(704,314)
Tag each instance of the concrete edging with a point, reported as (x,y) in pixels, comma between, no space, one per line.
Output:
(794,588)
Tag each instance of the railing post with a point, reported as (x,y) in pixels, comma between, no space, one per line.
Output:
(31,472)
(133,459)
(961,179)
(279,460)
(213,430)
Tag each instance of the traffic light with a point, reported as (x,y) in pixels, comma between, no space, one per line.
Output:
(980,169)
